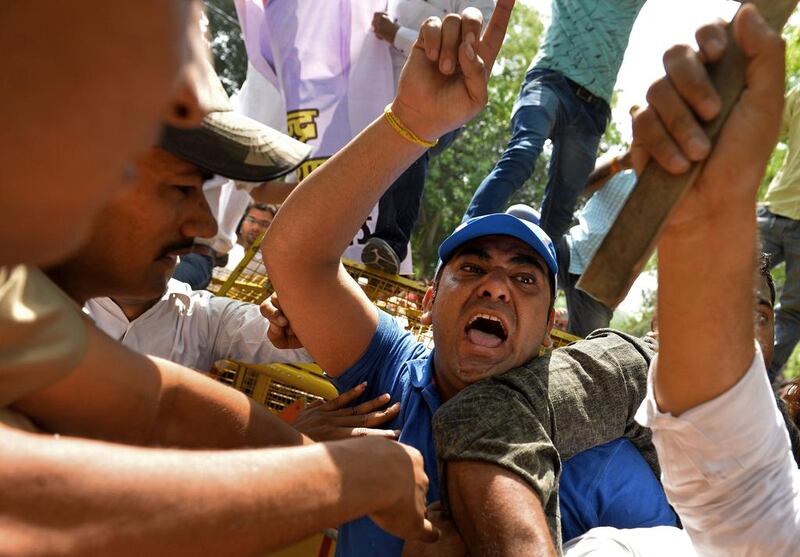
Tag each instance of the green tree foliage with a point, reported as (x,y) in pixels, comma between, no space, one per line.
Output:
(454,175)
(227,46)
(792,37)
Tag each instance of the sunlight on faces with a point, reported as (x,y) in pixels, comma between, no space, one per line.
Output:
(91,83)
(253,224)
(137,237)
(490,312)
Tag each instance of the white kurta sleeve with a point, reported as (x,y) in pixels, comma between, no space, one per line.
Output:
(728,471)
(241,334)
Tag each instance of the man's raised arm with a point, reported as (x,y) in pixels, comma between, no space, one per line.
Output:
(444,84)
(723,449)
(707,253)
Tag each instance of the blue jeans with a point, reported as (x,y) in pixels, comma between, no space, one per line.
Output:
(399,205)
(780,239)
(585,314)
(549,106)
(195,270)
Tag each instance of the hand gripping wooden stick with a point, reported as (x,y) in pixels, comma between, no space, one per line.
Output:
(632,237)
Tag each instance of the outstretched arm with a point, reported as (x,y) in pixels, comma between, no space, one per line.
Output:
(724,452)
(75,497)
(707,251)
(149,401)
(443,85)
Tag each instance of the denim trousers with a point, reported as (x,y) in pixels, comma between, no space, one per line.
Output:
(780,239)
(585,314)
(398,208)
(549,106)
(195,270)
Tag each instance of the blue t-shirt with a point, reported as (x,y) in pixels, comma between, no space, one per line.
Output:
(611,485)
(396,363)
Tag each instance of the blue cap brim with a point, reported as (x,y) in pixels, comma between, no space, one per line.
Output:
(501,224)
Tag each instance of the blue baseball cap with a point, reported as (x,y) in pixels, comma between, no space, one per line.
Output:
(524,212)
(501,224)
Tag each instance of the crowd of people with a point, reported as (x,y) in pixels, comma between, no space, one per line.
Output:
(116,441)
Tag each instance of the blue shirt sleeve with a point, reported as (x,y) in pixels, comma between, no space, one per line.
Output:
(383,362)
(611,485)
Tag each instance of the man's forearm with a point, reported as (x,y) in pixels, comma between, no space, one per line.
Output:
(337,198)
(76,497)
(496,512)
(196,412)
(705,298)
(149,401)
(272,193)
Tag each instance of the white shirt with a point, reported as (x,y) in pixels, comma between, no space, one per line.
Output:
(411,14)
(193,328)
(228,199)
(658,541)
(728,470)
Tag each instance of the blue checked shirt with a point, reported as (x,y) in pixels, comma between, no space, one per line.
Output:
(596,218)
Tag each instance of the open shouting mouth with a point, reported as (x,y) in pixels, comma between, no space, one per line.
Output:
(486,330)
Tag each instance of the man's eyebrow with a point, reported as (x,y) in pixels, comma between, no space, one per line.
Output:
(760,301)
(527,259)
(475,251)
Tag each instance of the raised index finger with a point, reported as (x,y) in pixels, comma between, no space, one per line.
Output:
(492,39)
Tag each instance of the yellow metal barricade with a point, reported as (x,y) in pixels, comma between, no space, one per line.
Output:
(276,386)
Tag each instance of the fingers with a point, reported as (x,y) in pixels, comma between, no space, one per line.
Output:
(271,310)
(476,76)
(430,533)
(668,129)
(366,419)
(687,141)
(430,38)
(370,405)
(451,39)
(471,24)
(712,40)
(345,398)
(689,76)
(651,137)
(764,47)
(489,46)
(392,434)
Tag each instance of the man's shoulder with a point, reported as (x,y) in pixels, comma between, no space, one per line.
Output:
(601,350)
(387,355)
(42,333)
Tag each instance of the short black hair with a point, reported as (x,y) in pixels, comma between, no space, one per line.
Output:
(764,265)
(262,207)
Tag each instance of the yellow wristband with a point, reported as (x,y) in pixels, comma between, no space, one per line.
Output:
(400,128)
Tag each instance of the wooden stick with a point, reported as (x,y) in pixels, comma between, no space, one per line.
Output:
(632,238)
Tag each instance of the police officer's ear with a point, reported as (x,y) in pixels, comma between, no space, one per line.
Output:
(427,306)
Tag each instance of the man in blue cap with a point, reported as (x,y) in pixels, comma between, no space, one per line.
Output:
(491,305)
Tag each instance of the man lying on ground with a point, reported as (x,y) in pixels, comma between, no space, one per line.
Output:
(91,490)
(491,305)
(725,455)
(494,461)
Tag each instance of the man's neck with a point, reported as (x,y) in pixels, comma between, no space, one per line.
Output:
(134,309)
(74,287)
